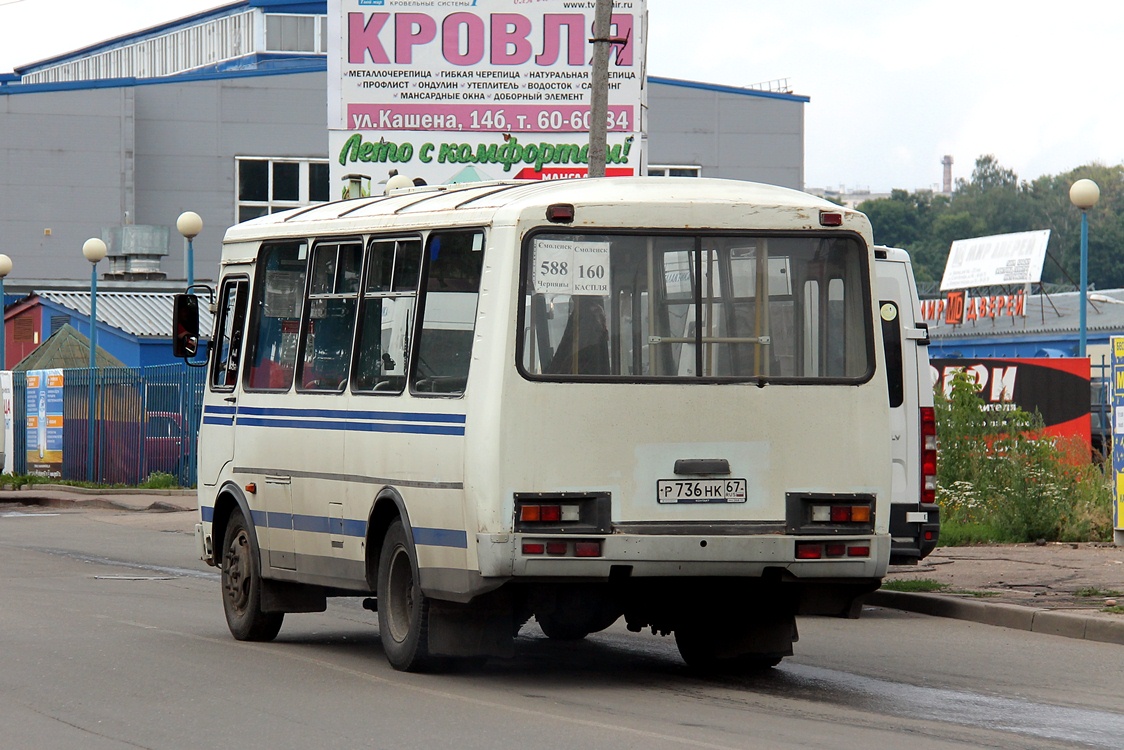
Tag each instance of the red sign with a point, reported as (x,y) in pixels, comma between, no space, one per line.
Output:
(954,312)
(565,173)
(959,308)
(1055,387)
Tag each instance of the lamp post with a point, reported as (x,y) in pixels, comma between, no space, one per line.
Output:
(1084,194)
(94,250)
(5,269)
(190,225)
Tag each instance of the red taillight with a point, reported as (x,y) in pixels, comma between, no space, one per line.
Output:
(560,213)
(858,551)
(836,550)
(928,455)
(831,219)
(555,548)
(587,549)
(809,550)
(533,548)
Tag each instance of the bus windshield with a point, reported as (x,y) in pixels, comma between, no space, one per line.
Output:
(786,309)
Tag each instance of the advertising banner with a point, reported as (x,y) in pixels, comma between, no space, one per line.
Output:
(1118,436)
(1055,387)
(998,260)
(466,90)
(44,423)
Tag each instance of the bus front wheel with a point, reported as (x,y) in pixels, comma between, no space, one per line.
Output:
(403,608)
(241,586)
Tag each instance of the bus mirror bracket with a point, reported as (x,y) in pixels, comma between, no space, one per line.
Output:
(185,324)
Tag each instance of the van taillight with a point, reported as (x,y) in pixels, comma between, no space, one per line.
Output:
(928,455)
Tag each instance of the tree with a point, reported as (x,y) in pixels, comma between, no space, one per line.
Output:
(994,201)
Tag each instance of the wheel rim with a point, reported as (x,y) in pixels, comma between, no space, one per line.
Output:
(236,575)
(400,595)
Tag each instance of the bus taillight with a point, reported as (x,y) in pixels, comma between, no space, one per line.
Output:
(928,455)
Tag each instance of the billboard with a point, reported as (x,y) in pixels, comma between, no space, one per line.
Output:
(1056,387)
(469,90)
(996,260)
(44,423)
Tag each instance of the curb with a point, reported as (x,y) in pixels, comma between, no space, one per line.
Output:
(1017,617)
(69,489)
(101,499)
(159,506)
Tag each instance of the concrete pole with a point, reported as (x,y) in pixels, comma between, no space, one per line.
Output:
(599,87)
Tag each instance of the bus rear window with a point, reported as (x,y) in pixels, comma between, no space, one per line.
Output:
(689,307)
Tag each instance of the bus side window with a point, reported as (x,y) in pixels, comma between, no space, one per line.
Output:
(275,323)
(228,334)
(444,347)
(386,316)
(330,316)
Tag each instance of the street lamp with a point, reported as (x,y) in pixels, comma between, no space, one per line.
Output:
(94,250)
(190,225)
(5,269)
(1084,194)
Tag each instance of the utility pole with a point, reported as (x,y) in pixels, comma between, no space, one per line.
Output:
(599,87)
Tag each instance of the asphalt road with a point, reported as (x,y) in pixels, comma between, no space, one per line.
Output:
(112,636)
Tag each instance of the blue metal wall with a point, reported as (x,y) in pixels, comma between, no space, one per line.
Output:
(146,420)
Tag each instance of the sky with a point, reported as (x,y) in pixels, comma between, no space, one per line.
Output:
(894,85)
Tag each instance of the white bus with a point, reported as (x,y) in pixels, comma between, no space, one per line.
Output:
(656,399)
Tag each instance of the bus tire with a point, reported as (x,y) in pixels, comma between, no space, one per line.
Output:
(729,648)
(704,653)
(241,585)
(557,629)
(403,608)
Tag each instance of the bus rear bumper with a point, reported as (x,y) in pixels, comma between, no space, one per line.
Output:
(519,555)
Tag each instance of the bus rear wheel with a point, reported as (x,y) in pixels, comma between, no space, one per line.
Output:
(403,608)
(760,643)
(241,586)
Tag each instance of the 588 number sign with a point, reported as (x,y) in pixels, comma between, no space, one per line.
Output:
(568,267)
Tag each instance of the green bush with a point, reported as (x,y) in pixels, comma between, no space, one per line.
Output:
(160,480)
(997,482)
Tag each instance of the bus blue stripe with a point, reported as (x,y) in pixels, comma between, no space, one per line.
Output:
(429,537)
(416,423)
(300,424)
(395,416)
(441,537)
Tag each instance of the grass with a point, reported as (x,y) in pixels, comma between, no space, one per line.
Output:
(1117,610)
(958,534)
(1093,591)
(914,585)
(158,480)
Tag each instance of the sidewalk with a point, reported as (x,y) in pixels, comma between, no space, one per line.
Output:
(1061,589)
(64,496)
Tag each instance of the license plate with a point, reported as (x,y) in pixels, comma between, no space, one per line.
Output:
(700,490)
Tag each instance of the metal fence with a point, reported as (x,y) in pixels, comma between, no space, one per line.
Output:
(146,420)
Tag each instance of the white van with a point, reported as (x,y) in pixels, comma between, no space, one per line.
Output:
(914,514)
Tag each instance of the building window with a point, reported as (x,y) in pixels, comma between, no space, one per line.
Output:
(289,33)
(673,170)
(269,185)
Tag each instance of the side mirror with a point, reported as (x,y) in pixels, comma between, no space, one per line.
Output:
(185,325)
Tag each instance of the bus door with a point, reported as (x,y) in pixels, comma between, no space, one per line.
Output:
(216,448)
(269,450)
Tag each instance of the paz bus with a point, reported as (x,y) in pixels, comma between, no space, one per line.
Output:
(656,399)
